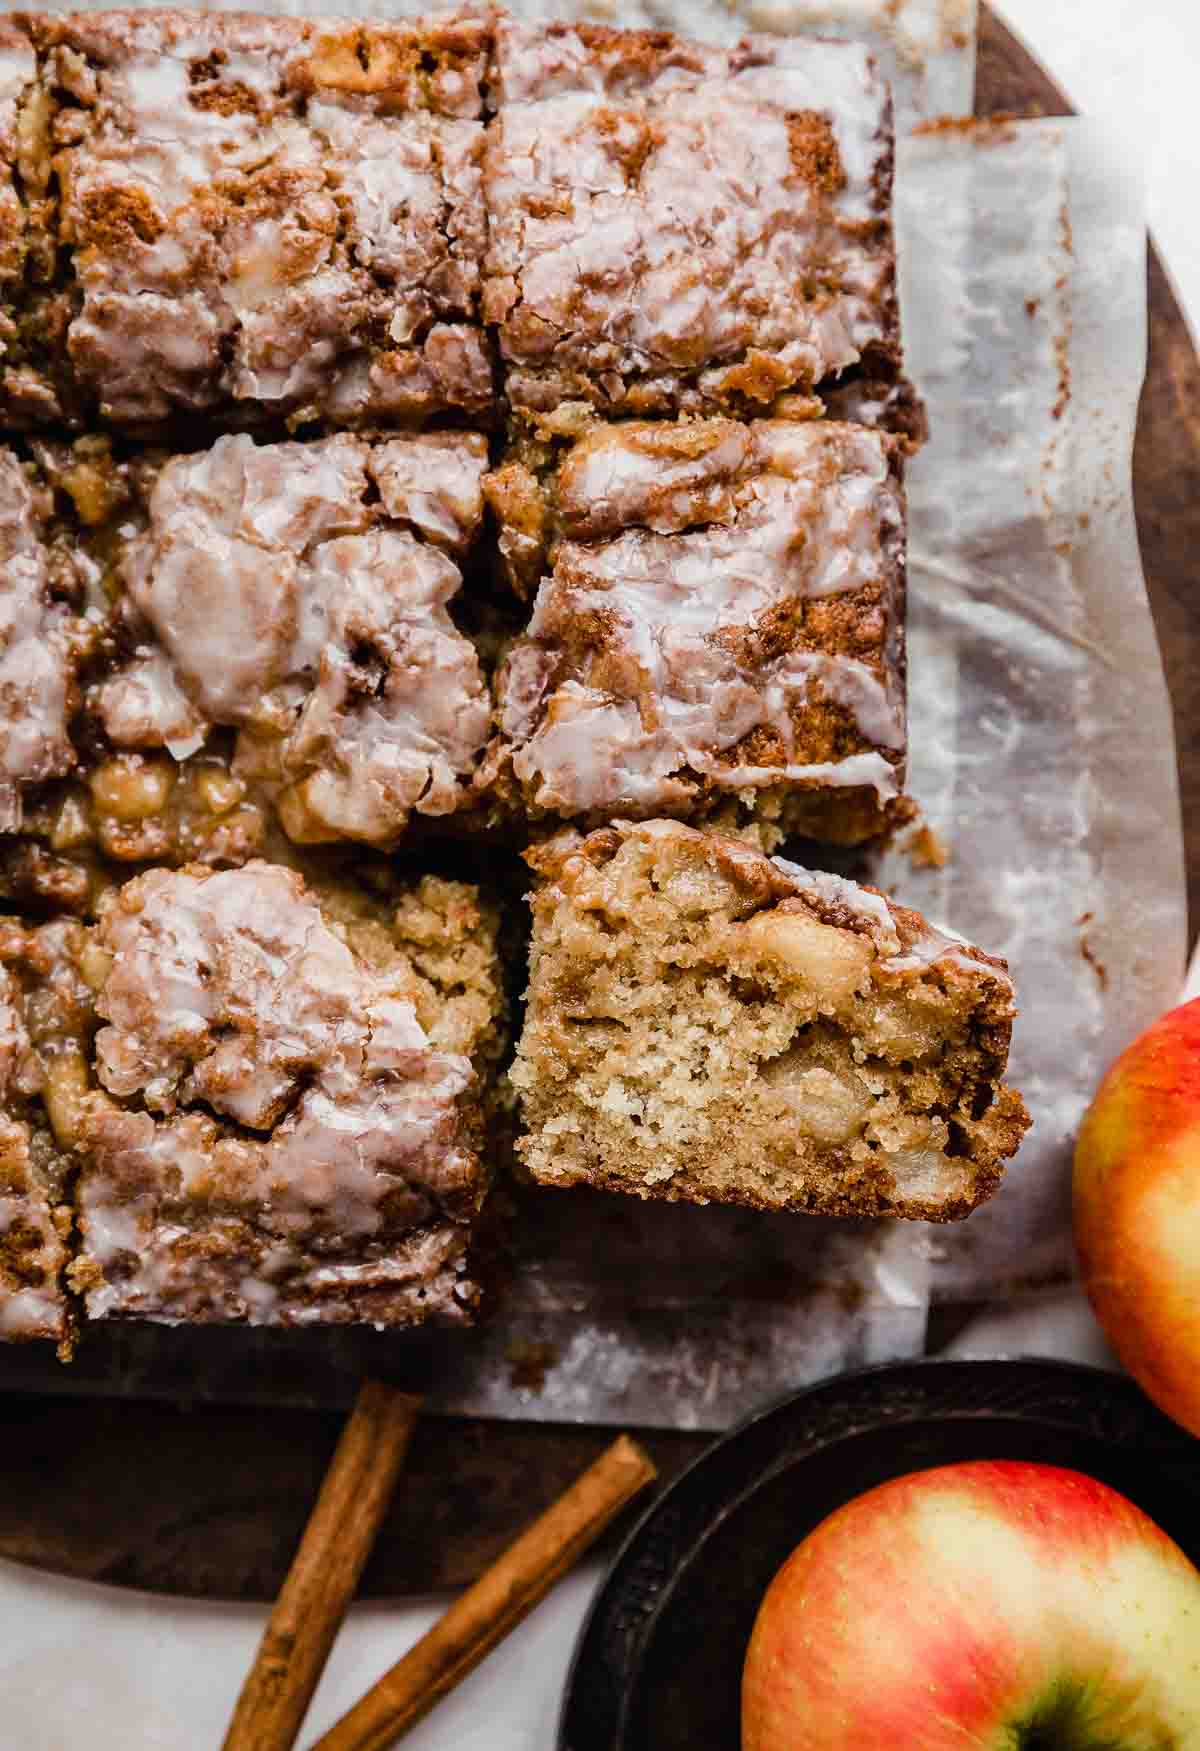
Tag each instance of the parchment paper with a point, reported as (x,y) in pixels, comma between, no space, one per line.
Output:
(1042,752)
(1041,736)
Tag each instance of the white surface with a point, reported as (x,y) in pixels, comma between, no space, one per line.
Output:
(89,1667)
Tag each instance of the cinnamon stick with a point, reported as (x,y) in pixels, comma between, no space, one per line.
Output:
(325,1571)
(496,1603)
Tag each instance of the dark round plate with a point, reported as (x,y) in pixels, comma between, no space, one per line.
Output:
(659,1660)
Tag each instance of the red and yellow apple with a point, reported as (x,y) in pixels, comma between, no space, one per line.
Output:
(989,1606)
(1137,1210)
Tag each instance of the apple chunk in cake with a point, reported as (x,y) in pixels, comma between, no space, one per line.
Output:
(709,1023)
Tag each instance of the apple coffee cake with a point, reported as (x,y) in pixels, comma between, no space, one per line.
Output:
(447,426)
(248,219)
(285,1118)
(706,1022)
(720,617)
(676,227)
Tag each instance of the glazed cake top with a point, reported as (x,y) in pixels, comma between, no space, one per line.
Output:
(675,225)
(713,584)
(298,593)
(267,1067)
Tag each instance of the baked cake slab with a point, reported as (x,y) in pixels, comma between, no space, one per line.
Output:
(677,227)
(286,1121)
(212,641)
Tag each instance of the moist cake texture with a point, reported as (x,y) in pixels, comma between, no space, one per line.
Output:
(286,1119)
(46,1024)
(676,227)
(256,219)
(720,617)
(708,1023)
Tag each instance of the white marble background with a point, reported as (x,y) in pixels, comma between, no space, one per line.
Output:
(84,1666)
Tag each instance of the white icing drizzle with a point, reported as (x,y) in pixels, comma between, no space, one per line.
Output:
(834,890)
(272,224)
(35,651)
(18,65)
(35,1311)
(286,606)
(434,481)
(937,942)
(649,217)
(143,705)
(231,996)
(670,681)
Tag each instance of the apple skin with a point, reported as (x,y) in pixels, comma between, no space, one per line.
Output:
(979,1607)
(1137,1211)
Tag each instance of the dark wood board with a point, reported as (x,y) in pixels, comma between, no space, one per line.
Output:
(210,1501)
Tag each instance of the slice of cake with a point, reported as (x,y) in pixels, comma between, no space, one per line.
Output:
(298,593)
(286,1120)
(46,1026)
(720,619)
(251,219)
(677,227)
(708,1023)
(205,643)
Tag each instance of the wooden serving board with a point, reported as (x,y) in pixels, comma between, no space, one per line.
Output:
(210,1501)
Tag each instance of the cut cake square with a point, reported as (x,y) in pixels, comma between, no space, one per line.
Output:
(200,643)
(241,218)
(679,227)
(720,619)
(706,1022)
(286,1121)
